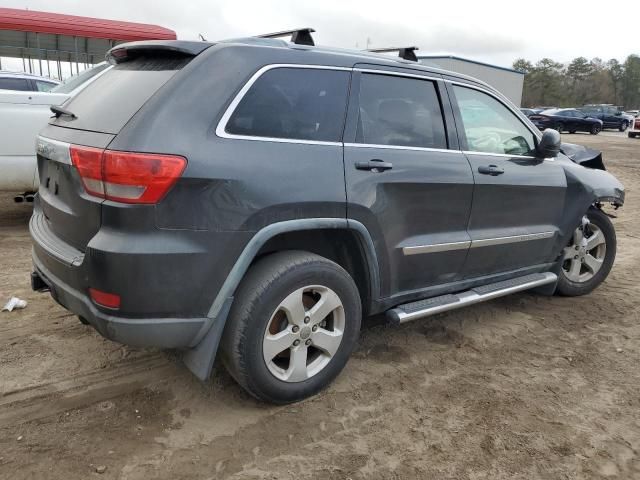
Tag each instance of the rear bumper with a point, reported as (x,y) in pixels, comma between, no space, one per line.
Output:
(141,332)
(163,278)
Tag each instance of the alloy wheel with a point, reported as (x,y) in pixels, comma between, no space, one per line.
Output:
(585,254)
(304,333)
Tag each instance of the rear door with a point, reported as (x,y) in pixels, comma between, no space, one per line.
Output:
(517,199)
(407,181)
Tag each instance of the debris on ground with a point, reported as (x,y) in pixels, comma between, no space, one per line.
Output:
(14,303)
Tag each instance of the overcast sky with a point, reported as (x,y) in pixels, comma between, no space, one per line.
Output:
(486,30)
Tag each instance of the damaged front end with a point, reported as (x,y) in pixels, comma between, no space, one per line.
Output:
(598,185)
(589,185)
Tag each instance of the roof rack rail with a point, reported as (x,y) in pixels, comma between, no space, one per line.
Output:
(408,53)
(301,36)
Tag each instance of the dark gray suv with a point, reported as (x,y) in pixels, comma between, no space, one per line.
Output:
(261,196)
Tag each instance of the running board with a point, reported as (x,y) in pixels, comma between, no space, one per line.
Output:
(431,306)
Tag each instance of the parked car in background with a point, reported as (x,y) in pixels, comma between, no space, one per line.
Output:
(25,82)
(635,129)
(22,116)
(261,197)
(611,116)
(633,113)
(567,119)
(528,111)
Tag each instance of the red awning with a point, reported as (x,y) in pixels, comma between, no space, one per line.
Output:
(71,25)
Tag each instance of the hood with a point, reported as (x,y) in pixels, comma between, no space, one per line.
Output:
(587,157)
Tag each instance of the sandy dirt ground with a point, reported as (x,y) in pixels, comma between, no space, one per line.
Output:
(524,387)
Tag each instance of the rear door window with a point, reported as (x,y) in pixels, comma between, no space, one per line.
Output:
(399,111)
(293,103)
(20,84)
(43,86)
(109,102)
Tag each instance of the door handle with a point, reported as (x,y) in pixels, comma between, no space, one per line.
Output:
(490,170)
(374,165)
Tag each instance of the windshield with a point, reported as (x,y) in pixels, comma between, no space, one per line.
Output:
(71,83)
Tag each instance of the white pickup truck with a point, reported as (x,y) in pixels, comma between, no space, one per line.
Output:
(22,116)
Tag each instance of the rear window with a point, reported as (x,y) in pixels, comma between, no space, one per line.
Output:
(71,83)
(109,102)
(293,103)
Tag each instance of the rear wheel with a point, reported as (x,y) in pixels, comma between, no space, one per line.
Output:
(588,258)
(624,125)
(294,322)
(632,135)
(595,129)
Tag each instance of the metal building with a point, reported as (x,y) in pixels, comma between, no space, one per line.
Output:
(43,40)
(505,80)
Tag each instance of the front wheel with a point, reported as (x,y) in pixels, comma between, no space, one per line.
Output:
(559,127)
(588,258)
(624,126)
(294,321)
(595,129)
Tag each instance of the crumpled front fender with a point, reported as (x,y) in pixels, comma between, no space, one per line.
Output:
(586,188)
(597,185)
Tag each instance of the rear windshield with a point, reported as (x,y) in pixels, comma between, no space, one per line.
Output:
(109,102)
(71,83)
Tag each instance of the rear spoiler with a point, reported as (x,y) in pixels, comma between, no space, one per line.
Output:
(180,48)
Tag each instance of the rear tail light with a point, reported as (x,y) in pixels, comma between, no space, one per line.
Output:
(105,299)
(126,177)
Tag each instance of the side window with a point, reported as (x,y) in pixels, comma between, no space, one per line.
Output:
(490,126)
(399,111)
(293,103)
(20,84)
(44,86)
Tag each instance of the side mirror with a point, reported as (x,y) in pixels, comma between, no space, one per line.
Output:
(549,145)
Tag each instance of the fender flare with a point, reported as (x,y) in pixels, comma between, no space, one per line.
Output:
(200,358)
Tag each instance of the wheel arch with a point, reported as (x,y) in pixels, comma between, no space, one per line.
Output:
(199,359)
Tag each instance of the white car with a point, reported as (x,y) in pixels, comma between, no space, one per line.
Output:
(26,82)
(22,116)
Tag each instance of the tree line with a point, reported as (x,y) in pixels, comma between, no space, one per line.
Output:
(581,81)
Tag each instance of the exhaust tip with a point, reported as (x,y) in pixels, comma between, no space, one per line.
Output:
(29,198)
(18,198)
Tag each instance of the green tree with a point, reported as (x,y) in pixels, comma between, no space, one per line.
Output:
(631,82)
(616,73)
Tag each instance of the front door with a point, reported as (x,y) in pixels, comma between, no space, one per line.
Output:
(518,199)
(406,182)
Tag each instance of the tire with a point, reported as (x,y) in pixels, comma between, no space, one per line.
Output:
(595,129)
(559,127)
(258,317)
(624,125)
(632,135)
(586,280)
(572,131)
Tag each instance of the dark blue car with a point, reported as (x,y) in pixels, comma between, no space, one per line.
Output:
(567,119)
